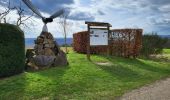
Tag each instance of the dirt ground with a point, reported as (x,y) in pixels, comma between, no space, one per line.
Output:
(160,90)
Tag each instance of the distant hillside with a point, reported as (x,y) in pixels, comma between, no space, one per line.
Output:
(165,36)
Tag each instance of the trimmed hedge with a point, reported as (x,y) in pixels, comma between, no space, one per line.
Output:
(12,50)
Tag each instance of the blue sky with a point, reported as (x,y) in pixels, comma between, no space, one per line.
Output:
(150,15)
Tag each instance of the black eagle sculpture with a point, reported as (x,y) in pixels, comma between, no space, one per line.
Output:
(45,20)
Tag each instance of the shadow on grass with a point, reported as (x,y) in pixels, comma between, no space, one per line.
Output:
(13,88)
(126,69)
(151,66)
(65,82)
(120,72)
(45,83)
(157,58)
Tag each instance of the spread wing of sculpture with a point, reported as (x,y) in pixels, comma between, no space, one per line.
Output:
(46,52)
(45,20)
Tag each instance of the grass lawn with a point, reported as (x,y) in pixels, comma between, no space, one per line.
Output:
(166,51)
(84,80)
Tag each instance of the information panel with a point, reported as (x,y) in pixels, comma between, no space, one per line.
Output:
(98,37)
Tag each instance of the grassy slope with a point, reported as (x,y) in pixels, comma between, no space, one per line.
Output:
(83,79)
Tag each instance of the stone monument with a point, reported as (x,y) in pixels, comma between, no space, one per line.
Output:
(46,53)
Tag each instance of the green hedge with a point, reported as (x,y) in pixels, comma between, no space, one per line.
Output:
(12,50)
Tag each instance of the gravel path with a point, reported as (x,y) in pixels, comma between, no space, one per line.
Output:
(160,90)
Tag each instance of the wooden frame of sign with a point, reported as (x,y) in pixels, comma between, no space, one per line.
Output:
(98,26)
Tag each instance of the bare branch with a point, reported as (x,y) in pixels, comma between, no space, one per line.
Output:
(22,18)
(6,12)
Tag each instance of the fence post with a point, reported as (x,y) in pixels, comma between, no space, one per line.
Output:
(88,43)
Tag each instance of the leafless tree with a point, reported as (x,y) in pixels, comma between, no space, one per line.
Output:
(6,12)
(22,17)
(64,28)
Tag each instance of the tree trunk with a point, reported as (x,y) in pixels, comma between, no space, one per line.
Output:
(65,41)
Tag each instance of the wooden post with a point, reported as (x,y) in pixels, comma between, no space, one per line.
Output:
(88,43)
(109,44)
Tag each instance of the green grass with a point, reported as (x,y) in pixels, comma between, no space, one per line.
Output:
(84,80)
(166,51)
